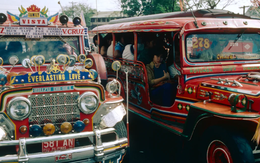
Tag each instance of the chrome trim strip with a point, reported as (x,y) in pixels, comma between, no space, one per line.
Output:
(114,102)
(56,137)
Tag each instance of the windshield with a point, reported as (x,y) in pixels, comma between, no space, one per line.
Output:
(49,47)
(222,47)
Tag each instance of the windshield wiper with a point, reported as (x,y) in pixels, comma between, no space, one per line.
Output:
(237,38)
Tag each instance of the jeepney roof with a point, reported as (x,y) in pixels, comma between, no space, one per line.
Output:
(175,21)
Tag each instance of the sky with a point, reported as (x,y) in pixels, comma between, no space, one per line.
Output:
(100,5)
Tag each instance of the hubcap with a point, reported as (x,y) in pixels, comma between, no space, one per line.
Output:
(218,153)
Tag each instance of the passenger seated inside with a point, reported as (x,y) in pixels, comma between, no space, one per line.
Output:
(145,55)
(161,90)
(128,52)
(120,46)
(105,43)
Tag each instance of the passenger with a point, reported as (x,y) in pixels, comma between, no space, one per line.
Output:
(161,92)
(120,46)
(110,50)
(145,55)
(95,47)
(104,44)
(128,53)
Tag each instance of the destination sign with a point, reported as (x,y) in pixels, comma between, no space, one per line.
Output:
(39,32)
(59,76)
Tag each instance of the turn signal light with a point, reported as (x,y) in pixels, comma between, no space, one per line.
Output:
(86,121)
(23,129)
(65,127)
(49,129)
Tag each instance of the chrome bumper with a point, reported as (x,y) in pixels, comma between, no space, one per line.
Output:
(91,153)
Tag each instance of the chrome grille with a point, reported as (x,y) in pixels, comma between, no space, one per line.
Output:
(54,108)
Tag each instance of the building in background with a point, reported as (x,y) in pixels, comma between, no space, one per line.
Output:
(103,17)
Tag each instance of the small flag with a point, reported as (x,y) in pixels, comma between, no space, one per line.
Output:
(83,22)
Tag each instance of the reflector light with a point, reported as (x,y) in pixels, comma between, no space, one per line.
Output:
(49,129)
(78,126)
(65,127)
(86,121)
(35,130)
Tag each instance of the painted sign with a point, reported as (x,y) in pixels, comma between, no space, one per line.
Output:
(52,76)
(33,16)
(39,32)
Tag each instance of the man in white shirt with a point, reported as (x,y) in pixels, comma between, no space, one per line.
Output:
(110,50)
(128,53)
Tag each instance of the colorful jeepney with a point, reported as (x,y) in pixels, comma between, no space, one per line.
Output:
(54,107)
(215,108)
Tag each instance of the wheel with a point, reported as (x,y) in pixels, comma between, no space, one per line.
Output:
(121,129)
(221,146)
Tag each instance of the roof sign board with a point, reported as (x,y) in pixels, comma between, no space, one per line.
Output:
(33,15)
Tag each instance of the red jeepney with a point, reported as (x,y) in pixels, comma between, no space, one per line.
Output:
(54,107)
(215,104)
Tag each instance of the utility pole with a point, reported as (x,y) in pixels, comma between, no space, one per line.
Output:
(244,9)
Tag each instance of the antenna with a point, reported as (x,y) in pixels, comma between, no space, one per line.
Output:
(195,21)
(61,7)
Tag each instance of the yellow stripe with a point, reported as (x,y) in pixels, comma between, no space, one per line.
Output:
(116,147)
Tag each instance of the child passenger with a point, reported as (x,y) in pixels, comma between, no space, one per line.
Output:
(161,91)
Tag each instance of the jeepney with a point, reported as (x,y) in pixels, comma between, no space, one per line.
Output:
(215,106)
(54,107)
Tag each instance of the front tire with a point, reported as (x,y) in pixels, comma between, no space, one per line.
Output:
(221,146)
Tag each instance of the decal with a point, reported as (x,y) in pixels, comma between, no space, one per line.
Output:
(201,70)
(201,43)
(117,159)
(187,107)
(53,76)
(179,106)
(190,90)
(229,68)
(52,89)
(136,94)
(223,56)
(251,68)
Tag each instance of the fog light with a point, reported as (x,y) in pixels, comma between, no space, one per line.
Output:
(86,121)
(35,130)
(49,129)
(3,134)
(78,126)
(23,129)
(65,127)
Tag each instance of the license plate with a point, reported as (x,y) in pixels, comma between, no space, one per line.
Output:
(58,145)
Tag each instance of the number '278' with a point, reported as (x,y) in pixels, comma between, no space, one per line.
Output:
(201,42)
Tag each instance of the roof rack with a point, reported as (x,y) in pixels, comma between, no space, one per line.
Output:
(209,13)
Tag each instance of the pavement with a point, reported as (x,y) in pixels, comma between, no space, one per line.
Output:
(150,143)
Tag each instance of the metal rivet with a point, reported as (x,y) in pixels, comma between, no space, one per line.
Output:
(43,95)
(22,80)
(225,22)
(16,80)
(203,23)
(83,77)
(101,115)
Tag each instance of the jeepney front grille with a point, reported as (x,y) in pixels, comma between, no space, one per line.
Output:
(54,108)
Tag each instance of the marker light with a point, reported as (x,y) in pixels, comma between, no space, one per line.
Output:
(23,129)
(64,19)
(49,129)
(94,73)
(65,127)
(35,130)
(79,126)
(76,21)
(3,18)
(86,121)
(3,79)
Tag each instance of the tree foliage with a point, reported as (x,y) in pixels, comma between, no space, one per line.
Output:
(146,7)
(75,10)
(209,4)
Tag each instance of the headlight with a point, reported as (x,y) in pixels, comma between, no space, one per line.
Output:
(88,102)
(19,108)
(112,86)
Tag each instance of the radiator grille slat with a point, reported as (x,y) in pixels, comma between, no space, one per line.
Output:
(54,108)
